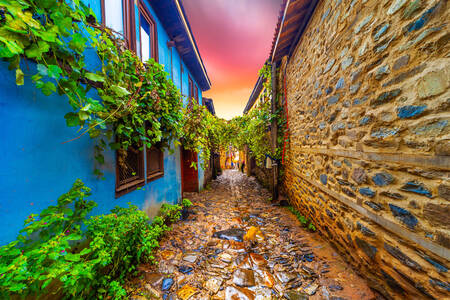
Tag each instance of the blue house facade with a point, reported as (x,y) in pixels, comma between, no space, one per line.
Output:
(37,166)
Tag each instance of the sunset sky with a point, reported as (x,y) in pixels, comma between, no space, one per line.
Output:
(234,38)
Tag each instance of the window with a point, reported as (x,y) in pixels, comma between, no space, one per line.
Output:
(155,163)
(181,77)
(147,32)
(119,16)
(112,16)
(129,170)
(191,89)
(196,93)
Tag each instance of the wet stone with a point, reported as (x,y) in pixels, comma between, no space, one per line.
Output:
(295,295)
(234,234)
(213,284)
(190,257)
(283,263)
(335,287)
(285,277)
(235,293)
(186,292)
(311,289)
(185,269)
(167,284)
(244,277)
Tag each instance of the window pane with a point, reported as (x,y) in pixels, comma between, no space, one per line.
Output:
(154,161)
(145,40)
(114,15)
(129,165)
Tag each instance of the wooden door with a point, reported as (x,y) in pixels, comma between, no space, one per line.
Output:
(189,175)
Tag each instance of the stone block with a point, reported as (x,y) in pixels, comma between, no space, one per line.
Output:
(395,6)
(404,216)
(367,248)
(417,188)
(323,179)
(382,179)
(367,192)
(432,84)
(437,214)
(401,62)
(410,111)
(444,191)
(402,257)
(385,97)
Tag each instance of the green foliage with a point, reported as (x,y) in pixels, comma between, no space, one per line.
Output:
(135,102)
(200,131)
(43,259)
(303,220)
(253,128)
(186,203)
(42,252)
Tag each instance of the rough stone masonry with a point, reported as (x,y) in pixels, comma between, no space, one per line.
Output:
(369,152)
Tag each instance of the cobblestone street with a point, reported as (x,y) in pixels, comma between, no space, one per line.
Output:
(236,245)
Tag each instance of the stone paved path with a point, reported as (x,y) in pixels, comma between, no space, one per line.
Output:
(276,259)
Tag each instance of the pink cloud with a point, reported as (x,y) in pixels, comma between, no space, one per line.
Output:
(234,38)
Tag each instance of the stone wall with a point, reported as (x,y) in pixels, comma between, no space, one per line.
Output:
(369,154)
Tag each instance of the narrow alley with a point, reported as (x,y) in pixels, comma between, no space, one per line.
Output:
(235,244)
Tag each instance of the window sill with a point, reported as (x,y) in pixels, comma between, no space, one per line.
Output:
(129,187)
(155,176)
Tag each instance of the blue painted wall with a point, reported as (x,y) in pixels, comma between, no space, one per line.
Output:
(37,167)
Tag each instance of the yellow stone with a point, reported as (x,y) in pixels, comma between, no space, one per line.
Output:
(254,234)
(166,254)
(186,292)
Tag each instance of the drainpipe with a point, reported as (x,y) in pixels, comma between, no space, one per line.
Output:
(274,133)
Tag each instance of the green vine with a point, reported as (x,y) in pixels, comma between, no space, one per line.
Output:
(253,128)
(116,95)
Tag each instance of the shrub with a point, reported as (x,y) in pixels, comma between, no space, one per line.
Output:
(43,259)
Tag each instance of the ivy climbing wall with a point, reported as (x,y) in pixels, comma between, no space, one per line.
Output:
(368,158)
